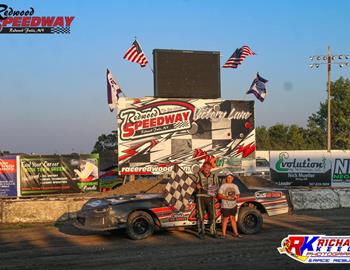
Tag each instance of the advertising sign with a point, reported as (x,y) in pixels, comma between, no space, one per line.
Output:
(341,169)
(156,133)
(8,176)
(302,168)
(58,174)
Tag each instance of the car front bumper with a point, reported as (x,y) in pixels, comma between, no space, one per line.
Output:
(89,220)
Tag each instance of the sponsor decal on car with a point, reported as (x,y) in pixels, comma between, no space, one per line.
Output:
(316,248)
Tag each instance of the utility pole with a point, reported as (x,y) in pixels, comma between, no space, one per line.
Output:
(329,60)
(329,125)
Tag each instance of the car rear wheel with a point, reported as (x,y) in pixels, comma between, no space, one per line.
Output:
(140,225)
(249,220)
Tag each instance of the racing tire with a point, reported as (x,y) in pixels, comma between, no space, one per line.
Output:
(140,225)
(250,220)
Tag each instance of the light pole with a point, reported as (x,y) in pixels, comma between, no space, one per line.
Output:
(329,60)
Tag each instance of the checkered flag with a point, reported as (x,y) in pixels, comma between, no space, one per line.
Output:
(60,30)
(179,189)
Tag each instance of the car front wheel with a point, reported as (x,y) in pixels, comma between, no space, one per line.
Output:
(249,220)
(140,225)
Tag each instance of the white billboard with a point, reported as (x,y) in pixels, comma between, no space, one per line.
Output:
(156,133)
(311,168)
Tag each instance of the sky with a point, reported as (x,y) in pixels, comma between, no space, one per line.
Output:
(53,87)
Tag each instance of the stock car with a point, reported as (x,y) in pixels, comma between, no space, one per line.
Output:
(142,214)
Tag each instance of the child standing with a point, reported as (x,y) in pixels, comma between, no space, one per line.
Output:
(229,193)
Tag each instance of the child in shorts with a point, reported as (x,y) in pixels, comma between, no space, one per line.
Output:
(229,193)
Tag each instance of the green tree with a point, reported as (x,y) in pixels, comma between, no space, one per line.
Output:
(107,148)
(262,138)
(315,138)
(281,136)
(295,138)
(340,116)
(4,153)
(106,143)
(278,136)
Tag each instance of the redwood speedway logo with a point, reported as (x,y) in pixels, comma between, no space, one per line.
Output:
(155,119)
(14,21)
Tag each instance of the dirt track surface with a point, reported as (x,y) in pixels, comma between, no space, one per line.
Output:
(64,247)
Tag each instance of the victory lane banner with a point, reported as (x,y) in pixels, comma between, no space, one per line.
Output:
(156,133)
(9,176)
(53,174)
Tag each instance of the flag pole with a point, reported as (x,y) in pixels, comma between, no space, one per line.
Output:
(143,51)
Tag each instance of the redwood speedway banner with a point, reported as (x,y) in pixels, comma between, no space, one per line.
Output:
(51,174)
(15,20)
(156,133)
(8,176)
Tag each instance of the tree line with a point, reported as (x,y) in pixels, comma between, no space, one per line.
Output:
(314,135)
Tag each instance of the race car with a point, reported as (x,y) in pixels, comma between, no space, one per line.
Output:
(142,214)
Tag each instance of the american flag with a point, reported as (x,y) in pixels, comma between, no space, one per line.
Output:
(135,54)
(113,91)
(238,56)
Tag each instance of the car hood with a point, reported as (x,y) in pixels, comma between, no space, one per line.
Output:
(119,199)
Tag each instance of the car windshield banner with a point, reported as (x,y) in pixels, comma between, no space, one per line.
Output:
(156,133)
(8,176)
(58,174)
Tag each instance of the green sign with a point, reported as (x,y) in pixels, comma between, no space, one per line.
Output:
(52,174)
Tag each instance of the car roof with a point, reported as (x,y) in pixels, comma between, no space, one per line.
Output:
(257,182)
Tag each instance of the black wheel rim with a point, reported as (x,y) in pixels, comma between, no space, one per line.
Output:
(140,226)
(250,221)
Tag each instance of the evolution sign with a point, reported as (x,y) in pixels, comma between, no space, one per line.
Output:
(301,168)
(311,168)
(156,133)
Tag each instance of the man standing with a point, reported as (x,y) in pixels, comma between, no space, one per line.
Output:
(207,186)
